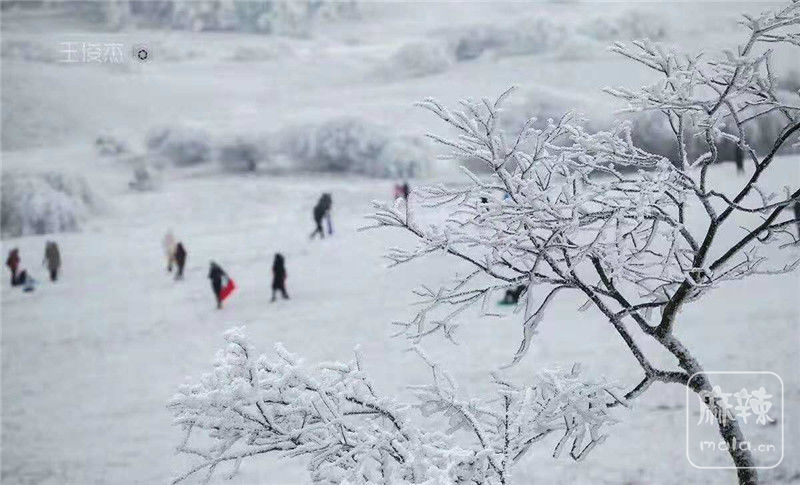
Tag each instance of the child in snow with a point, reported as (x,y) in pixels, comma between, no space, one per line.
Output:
(13,264)
(219,280)
(180,260)
(27,282)
(169,249)
(52,259)
(322,211)
(279,277)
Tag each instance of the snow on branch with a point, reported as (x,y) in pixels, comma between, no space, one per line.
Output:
(331,415)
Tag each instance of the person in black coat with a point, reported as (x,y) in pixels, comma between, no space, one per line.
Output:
(180,260)
(279,277)
(216,275)
(322,211)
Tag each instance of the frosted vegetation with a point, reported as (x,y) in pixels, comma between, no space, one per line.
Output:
(340,145)
(43,203)
(351,145)
(564,209)
(281,17)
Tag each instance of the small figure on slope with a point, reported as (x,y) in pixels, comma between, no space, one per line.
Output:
(180,260)
(322,211)
(13,264)
(52,259)
(279,277)
(221,283)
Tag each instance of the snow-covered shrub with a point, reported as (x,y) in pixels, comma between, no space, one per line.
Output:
(183,146)
(145,177)
(44,203)
(528,36)
(417,59)
(241,154)
(332,415)
(351,145)
(109,145)
(402,157)
(534,35)
(629,25)
(283,17)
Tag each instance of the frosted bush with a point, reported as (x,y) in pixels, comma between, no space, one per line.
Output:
(109,145)
(181,145)
(350,145)
(44,203)
(332,415)
(283,17)
(418,59)
(629,25)
(402,158)
(529,36)
(145,177)
(242,154)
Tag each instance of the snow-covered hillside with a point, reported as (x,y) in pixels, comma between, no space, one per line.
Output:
(89,362)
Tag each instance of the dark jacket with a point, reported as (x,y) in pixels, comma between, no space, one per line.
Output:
(52,256)
(180,254)
(215,273)
(278,272)
(323,206)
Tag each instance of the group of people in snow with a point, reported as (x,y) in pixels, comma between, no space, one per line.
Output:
(21,277)
(221,283)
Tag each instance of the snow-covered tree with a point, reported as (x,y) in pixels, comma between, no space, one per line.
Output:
(637,235)
(331,414)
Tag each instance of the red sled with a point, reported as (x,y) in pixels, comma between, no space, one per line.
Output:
(227,290)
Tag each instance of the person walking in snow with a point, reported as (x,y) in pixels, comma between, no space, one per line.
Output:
(13,264)
(180,260)
(322,211)
(169,249)
(52,259)
(219,280)
(279,277)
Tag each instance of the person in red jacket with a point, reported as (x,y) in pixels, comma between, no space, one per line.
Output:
(13,264)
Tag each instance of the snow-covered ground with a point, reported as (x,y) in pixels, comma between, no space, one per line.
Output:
(89,363)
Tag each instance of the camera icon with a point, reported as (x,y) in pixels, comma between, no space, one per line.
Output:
(142,53)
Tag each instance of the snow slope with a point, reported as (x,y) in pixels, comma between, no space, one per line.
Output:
(90,361)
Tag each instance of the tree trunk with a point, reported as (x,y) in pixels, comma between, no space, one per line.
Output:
(731,432)
(729,428)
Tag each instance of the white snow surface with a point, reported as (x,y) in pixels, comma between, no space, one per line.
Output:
(89,362)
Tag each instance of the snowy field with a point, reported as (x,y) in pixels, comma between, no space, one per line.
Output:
(90,362)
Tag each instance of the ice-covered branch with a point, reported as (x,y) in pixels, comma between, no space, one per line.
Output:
(330,413)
